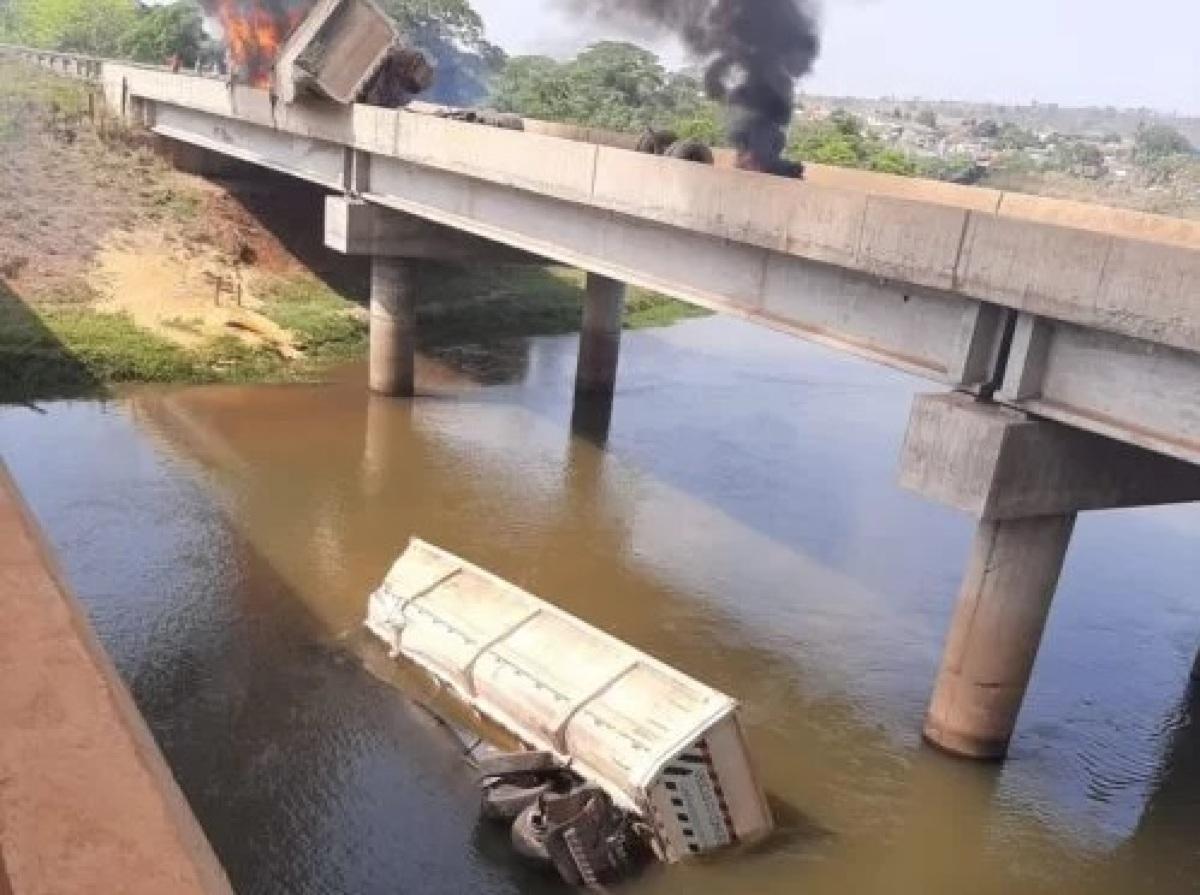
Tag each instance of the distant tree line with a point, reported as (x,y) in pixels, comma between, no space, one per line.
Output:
(611,85)
(115,28)
(451,31)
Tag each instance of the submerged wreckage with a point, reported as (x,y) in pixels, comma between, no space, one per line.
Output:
(624,752)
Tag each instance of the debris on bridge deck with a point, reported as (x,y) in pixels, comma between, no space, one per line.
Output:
(335,51)
(660,746)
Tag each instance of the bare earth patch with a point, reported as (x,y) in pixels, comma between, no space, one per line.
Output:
(116,267)
(189,296)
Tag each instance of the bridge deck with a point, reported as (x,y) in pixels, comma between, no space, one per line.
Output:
(925,277)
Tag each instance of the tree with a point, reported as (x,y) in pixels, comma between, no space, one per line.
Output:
(534,86)
(927,118)
(959,168)
(842,140)
(1156,141)
(452,32)
(160,32)
(987,129)
(81,26)
(1014,137)
(612,85)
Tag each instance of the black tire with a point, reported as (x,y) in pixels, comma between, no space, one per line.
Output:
(505,801)
(691,151)
(656,142)
(529,835)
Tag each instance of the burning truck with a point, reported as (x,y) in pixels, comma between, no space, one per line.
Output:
(351,51)
(340,50)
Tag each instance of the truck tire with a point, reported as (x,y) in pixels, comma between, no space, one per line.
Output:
(656,142)
(691,151)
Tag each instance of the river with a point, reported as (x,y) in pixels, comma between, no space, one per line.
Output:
(740,521)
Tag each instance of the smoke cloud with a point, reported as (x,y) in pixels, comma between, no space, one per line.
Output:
(755,50)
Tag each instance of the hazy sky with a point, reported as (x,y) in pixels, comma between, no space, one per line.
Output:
(1087,52)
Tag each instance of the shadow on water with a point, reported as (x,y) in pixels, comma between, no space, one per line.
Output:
(1163,849)
(34,363)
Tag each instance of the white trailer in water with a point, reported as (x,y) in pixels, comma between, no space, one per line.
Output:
(662,744)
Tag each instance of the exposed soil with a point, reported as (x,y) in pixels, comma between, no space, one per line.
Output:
(116,267)
(109,225)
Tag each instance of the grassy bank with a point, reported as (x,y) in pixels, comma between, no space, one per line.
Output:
(50,350)
(116,269)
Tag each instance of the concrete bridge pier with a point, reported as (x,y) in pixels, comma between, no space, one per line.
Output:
(398,245)
(600,337)
(393,326)
(1024,480)
(1002,609)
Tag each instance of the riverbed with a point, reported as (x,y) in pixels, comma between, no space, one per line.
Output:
(738,518)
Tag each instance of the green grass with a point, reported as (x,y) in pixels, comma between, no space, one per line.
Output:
(65,349)
(325,326)
(483,304)
(72,352)
(59,352)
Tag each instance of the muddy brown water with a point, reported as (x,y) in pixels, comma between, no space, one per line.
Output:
(741,522)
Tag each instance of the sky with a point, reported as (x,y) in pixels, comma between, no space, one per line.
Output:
(1073,52)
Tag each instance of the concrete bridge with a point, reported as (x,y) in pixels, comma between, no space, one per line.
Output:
(1066,337)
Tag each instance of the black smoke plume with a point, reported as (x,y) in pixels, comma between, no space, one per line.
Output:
(755,50)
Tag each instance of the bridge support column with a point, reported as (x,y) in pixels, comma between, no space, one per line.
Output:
(393,327)
(600,339)
(1024,480)
(997,629)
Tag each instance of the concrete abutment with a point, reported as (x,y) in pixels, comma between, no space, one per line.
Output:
(1024,480)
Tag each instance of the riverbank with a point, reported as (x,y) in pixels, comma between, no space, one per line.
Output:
(116,268)
(89,804)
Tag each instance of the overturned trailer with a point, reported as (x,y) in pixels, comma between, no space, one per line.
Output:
(663,745)
(335,51)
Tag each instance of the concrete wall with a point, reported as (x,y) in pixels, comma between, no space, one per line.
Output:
(1121,272)
(87,804)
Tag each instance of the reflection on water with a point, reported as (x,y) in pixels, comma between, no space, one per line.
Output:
(734,515)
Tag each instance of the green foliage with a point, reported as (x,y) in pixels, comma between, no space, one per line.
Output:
(611,85)
(323,324)
(952,169)
(843,141)
(1014,137)
(160,32)
(470,303)
(1157,141)
(86,26)
(116,28)
(892,161)
(705,123)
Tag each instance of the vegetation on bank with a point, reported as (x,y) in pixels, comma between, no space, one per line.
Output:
(53,350)
(68,191)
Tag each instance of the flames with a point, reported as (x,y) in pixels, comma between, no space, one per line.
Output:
(254,33)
